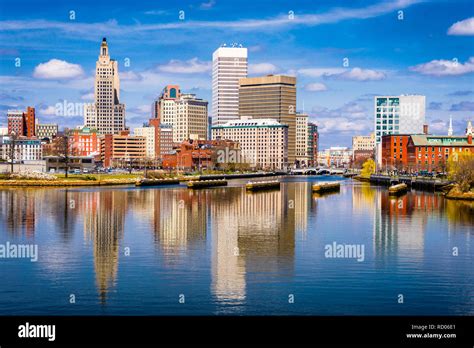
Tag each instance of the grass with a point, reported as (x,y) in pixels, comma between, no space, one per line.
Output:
(75,177)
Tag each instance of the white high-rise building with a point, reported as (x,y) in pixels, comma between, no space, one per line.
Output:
(404,114)
(229,64)
(106,114)
(302,139)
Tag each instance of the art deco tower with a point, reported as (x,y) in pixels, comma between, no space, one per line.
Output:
(106,114)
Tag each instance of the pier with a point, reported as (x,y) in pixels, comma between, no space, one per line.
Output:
(206,183)
(156,182)
(262,185)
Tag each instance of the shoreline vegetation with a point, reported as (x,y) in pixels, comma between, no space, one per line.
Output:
(59,180)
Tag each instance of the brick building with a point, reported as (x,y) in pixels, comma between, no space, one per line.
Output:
(122,149)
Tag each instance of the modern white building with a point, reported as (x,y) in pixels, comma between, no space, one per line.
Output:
(106,114)
(263,142)
(302,139)
(229,64)
(404,114)
(149,134)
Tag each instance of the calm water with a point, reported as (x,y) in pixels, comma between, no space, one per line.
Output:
(232,252)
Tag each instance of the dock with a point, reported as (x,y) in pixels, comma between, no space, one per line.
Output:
(262,185)
(326,187)
(156,182)
(398,189)
(206,183)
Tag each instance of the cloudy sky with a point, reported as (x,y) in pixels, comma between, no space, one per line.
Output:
(342,53)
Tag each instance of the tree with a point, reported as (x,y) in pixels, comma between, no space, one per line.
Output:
(12,149)
(461,169)
(368,168)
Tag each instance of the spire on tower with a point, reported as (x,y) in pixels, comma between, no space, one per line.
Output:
(469,130)
(450,129)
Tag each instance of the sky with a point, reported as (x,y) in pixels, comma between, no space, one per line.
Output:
(343,53)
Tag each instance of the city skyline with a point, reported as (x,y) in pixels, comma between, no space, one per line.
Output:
(341,62)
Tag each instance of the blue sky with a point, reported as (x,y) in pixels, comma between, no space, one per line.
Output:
(428,48)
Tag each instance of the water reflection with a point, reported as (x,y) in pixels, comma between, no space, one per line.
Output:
(246,235)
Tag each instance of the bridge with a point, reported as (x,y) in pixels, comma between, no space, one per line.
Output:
(317,171)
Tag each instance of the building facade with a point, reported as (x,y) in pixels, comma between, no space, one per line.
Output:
(106,114)
(198,154)
(84,141)
(395,152)
(263,142)
(24,149)
(431,152)
(313,144)
(363,142)
(149,134)
(302,157)
(46,130)
(335,156)
(122,149)
(404,114)
(22,123)
(229,65)
(271,97)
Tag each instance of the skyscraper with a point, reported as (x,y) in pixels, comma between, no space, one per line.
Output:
(106,114)
(271,96)
(229,64)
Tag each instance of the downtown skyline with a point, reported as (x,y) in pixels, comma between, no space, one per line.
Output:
(430,52)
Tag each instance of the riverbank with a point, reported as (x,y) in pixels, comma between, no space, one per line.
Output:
(457,194)
(117,179)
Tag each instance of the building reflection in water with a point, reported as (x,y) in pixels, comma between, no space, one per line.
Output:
(18,211)
(104,219)
(254,232)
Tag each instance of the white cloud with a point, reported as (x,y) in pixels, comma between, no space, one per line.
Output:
(130,76)
(47,111)
(207,5)
(358,74)
(465,27)
(319,72)
(191,66)
(88,96)
(316,87)
(112,27)
(262,68)
(57,69)
(342,124)
(443,67)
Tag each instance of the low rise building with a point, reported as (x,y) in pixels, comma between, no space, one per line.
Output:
(335,156)
(202,154)
(84,141)
(122,149)
(431,152)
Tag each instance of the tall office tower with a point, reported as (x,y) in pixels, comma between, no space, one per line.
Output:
(313,144)
(229,64)
(106,114)
(404,114)
(271,96)
(302,139)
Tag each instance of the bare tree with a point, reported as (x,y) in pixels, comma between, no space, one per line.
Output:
(12,149)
